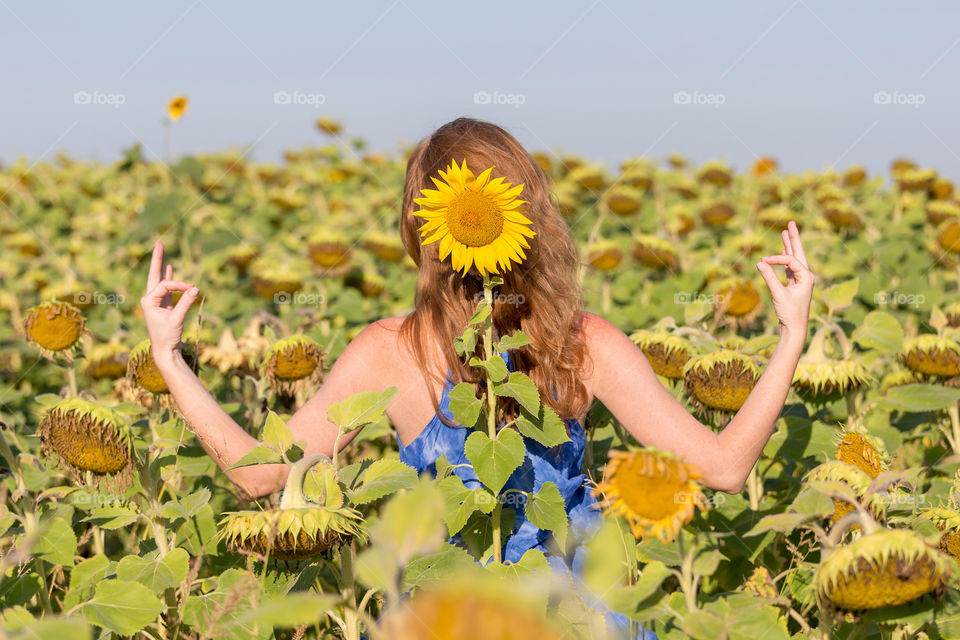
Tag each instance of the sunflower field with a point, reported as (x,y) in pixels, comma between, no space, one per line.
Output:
(115,522)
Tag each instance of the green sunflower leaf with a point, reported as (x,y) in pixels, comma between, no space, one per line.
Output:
(360,409)
(520,387)
(547,510)
(495,367)
(494,460)
(122,607)
(517,340)
(546,428)
(465,405)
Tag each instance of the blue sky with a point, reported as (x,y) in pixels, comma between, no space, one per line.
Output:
(812,83)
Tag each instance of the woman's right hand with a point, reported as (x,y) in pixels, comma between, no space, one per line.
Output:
(164,320)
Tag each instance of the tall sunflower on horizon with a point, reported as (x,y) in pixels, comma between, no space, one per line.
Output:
(478,221)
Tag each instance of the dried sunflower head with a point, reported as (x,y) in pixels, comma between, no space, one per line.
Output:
(385,247)
(654,490)
(825,381)
(939,210)
(328,249)
(760,583)
(868,453)
(88,438)
(717,214)
(715,173)
(604,255)
(54,326)
(948,521)
(931,355)
(301,527)
(291,360)
(719,382)
(623,200)
(655,253)
(666,352)
(882,569)
(107,361)
(142,369)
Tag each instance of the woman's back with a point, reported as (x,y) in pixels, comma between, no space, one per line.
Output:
(560,465)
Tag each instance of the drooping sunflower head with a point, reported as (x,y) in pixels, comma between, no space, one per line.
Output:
(764,165)
(623,200)
(88,437)
(302,526)
(142,369)
(948,522)
(328,249)
(107,361)
(854,176)
(655,491)
(897,378)
(856,446)
(916,179)
(276,281)
(54,326)
(603,255)
(775,217)
(715,173)
(717,213)
(842,215)
(384,246)
(882,569)
(948,235)
(855,478)
(478,220)
(655,252)
(291,360)
(666,352)
(589,177)
(177,107)
(719,382)
(939,210)
(736,296)
(826,381)
(931,355)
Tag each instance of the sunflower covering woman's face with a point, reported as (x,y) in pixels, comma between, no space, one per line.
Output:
(478,221)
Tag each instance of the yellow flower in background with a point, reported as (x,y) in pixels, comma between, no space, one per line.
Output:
(478,221)
(177,107)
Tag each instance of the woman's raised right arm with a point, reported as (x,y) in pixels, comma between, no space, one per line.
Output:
(222,438)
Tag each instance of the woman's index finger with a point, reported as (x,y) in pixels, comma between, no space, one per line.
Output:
(156,267)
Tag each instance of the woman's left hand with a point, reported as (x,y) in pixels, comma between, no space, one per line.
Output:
(791,301)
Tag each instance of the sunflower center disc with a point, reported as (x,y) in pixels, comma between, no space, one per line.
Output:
(474,219)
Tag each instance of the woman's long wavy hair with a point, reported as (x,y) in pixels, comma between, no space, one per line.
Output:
(541,296)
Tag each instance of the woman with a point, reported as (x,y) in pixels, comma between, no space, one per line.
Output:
(574,356)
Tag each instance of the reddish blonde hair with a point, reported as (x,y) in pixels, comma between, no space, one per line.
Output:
(541,296)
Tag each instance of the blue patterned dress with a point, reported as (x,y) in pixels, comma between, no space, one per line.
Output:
(561,465)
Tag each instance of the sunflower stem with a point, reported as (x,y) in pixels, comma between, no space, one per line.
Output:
(686,573)
(351,617)
(754,488)
(72,377)
(293,489)
(954,413)
(491,403)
